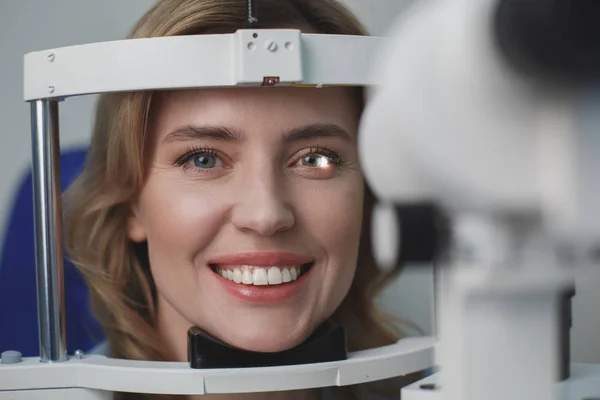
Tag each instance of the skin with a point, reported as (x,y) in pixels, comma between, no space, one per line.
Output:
(257,193)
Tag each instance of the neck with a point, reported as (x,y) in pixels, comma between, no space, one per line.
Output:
(173,329)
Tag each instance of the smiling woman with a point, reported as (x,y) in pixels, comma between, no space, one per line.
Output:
(255,190)
(241,211)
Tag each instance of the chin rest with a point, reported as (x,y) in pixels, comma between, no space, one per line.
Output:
(327,343)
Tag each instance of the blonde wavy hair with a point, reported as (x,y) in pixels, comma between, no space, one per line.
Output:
(98,204)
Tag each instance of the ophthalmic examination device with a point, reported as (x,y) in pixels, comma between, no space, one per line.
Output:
(481,140)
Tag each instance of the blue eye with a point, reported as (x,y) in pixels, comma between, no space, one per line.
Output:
(205,161)
(315,160)
(200,159)
(319,157)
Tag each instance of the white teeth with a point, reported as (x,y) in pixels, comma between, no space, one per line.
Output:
(247,277)
(259,277)
(237,276)
(274,276)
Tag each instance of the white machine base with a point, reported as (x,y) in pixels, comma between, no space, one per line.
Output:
(584,384)
(57,394)
(116,375)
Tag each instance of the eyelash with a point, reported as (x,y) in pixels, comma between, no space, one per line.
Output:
(194,151)
(317,150)
(325,152)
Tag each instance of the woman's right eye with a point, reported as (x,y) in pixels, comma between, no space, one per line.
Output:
(200,159)
(206,161)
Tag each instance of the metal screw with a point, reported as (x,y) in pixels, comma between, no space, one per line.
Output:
(79,354)
(272,47)
(270,80)
(51,57)
(51,88)
(428,386)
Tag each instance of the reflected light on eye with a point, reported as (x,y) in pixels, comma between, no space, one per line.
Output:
(316,161)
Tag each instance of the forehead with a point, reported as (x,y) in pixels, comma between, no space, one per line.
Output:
(251,109)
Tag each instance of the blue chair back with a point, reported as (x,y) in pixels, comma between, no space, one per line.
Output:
(18,296)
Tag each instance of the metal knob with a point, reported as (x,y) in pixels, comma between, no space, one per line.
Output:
(11,357)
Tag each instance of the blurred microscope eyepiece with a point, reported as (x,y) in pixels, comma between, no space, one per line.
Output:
(556,39)
(409,233)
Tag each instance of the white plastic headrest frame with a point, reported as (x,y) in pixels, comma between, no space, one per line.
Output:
(246,58)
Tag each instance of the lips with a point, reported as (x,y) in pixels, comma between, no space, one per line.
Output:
(262,276)
(261,259)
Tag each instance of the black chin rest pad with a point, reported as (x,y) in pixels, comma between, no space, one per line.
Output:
(327,343)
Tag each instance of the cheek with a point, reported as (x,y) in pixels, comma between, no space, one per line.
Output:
(180,219)
(340,225)
(332,216)
(337,216)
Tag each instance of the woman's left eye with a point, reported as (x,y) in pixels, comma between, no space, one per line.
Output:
(316,160)
(320,158)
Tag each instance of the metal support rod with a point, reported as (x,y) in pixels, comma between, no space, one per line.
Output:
(48,230)
(252,18)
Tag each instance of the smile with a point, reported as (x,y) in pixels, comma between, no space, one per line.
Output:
(261,275)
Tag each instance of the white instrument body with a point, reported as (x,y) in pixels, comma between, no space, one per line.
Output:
(509,159)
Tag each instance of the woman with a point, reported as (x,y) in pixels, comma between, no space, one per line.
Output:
(241,211)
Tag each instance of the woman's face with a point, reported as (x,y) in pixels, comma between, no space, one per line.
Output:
(252,212)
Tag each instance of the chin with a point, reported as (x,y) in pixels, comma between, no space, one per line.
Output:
(265,338)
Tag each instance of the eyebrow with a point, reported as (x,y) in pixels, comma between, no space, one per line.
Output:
(193,132)
(317,131)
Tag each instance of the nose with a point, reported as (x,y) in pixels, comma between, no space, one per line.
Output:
(262,209)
